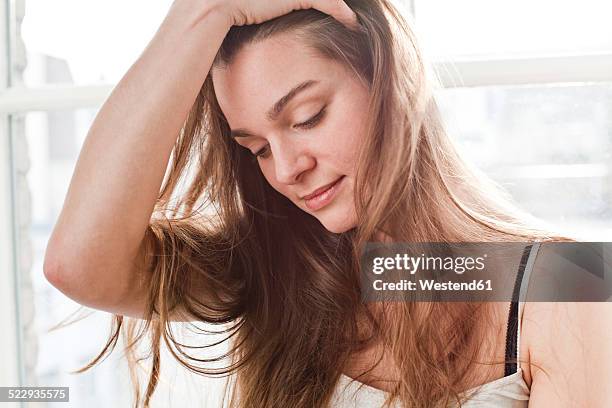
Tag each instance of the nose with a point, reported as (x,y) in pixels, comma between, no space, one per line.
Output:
(290,162)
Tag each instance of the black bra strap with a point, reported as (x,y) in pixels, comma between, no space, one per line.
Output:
(513,318)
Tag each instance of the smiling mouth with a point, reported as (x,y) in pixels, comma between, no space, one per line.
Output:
(320,190)
(322,196)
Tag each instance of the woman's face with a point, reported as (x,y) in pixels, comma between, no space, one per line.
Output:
(303,116)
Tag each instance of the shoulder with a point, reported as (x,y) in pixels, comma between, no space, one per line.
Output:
(570,352)
(569,344)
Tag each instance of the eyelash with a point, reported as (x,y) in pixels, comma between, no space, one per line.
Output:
(309,124)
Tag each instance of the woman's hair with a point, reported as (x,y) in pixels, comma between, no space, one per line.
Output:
(229,250)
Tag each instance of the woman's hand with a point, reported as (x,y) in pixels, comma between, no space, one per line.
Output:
(245,12)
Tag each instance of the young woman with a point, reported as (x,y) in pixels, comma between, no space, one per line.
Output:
(298,132)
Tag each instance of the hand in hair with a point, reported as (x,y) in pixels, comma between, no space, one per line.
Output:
(246,12)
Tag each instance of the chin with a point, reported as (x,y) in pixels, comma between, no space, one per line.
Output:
(337,223)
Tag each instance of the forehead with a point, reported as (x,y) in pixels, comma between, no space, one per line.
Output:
(264,71)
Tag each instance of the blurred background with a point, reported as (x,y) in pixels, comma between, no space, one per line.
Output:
(526,93)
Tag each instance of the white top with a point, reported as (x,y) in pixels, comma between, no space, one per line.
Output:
(507,392)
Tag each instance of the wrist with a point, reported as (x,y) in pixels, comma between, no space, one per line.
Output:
(197,12)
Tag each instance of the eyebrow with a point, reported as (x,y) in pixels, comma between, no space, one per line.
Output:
(278,107)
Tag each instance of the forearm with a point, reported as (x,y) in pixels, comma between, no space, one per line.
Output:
(124,157)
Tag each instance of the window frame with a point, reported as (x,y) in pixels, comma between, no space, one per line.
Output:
(11,369)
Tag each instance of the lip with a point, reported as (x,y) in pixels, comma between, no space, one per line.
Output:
(323,195)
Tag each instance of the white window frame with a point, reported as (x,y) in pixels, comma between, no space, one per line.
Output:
(16,99)
(11,373)
(535,70)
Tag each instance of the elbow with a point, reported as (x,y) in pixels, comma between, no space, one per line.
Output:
(52,269)
(82,280)
(54,263)
(62,276)
(63,267)
(67,277)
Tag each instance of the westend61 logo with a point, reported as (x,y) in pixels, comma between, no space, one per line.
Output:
(412,264)
(485,272)
(429,268)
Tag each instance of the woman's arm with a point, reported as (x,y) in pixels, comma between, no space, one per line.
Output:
(572,342)
(95,252)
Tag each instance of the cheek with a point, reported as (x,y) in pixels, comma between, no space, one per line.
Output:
(344,138)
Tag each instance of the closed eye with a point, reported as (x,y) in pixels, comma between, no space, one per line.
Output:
(263,152)
(308,124)
(313,121)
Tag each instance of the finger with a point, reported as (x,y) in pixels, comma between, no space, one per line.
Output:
(339,10)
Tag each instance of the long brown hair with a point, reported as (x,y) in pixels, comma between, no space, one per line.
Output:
(286,290)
